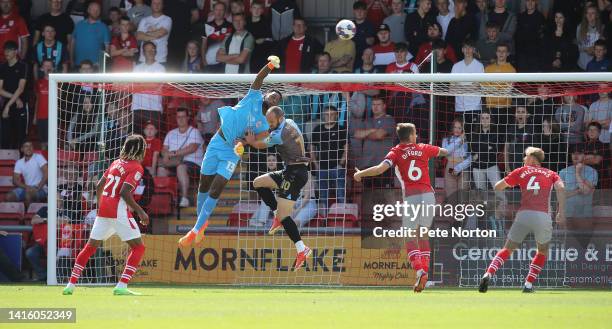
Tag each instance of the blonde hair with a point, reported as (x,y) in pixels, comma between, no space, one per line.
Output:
(535,152)
(133,148)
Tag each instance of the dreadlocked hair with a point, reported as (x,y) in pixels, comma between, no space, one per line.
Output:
(133,148)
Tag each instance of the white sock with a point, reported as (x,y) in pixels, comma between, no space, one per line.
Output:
(121,285)
(300,246)
(486,275)
(528,285)
(70,285)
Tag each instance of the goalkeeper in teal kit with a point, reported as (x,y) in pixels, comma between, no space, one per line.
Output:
(224,151)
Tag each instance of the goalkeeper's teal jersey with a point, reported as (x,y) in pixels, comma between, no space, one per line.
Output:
(246,115)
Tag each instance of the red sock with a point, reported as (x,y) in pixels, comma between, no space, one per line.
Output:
(536,267)
(81,261)
(498,261)
(414,257)
(132,263)
(425,253)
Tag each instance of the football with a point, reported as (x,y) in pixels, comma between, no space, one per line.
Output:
(345,29)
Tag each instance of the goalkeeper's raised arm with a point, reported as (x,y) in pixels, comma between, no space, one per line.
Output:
(273,63)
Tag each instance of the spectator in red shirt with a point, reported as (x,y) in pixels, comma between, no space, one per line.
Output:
(384,49)
(378,10)
(401,64)
(41,115)
(297,52)
(52,49)
(124,47)
(434,33)
(12,28)
(154,148)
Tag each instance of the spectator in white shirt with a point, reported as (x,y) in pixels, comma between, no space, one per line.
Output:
(155,28)
(468,105)
(29,177)
(147,107)
(445,14)
(182,154)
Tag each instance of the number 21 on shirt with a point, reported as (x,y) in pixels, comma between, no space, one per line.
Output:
(111,180)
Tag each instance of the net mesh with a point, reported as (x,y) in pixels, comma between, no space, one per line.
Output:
(333,211)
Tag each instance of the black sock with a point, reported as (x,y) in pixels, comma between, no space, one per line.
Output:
(267,196)
(291,229)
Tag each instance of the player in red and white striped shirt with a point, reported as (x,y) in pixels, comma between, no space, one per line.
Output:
(115,191)
(411,162)
(536,183)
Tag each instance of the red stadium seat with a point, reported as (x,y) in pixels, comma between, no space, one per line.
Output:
(318,221)
(66,157)
(343,215)
(6,170)
(161,204)
(11,212)
(8,157)
(166,185)
(241,213)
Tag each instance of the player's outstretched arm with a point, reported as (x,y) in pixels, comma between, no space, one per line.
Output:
(255,141)
(273,63)
(126,195)
(560,189)
(501,185)
(372,171)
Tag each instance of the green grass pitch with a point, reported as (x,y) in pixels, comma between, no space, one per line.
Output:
(176,307)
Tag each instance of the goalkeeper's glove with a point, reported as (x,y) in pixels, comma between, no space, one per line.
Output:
(239,149)
(273,62)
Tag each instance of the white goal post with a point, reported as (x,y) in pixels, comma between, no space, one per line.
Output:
(487,85)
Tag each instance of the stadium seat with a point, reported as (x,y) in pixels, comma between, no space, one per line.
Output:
(166,185)
(241,213)
(318,221)
(343,215)
(6,170)
(602,211)
(161,204)
(89,157)
(11,212)
(8,157)
(32,210)
(66,157)
(6,184)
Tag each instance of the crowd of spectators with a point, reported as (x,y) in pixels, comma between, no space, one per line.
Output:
(486,136)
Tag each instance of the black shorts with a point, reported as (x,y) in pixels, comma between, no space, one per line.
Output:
(290,181)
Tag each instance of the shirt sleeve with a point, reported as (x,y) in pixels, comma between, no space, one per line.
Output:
(167,140)
(513,179)
(252,96)
(391,158)
(18,167)
(432,151)
(275,138)
(133,177)
(40,160)
(23,29)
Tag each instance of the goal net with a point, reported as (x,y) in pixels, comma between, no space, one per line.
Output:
(348,121)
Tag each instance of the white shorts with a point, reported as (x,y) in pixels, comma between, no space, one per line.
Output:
(125,228)
(527,221)
(424,216)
